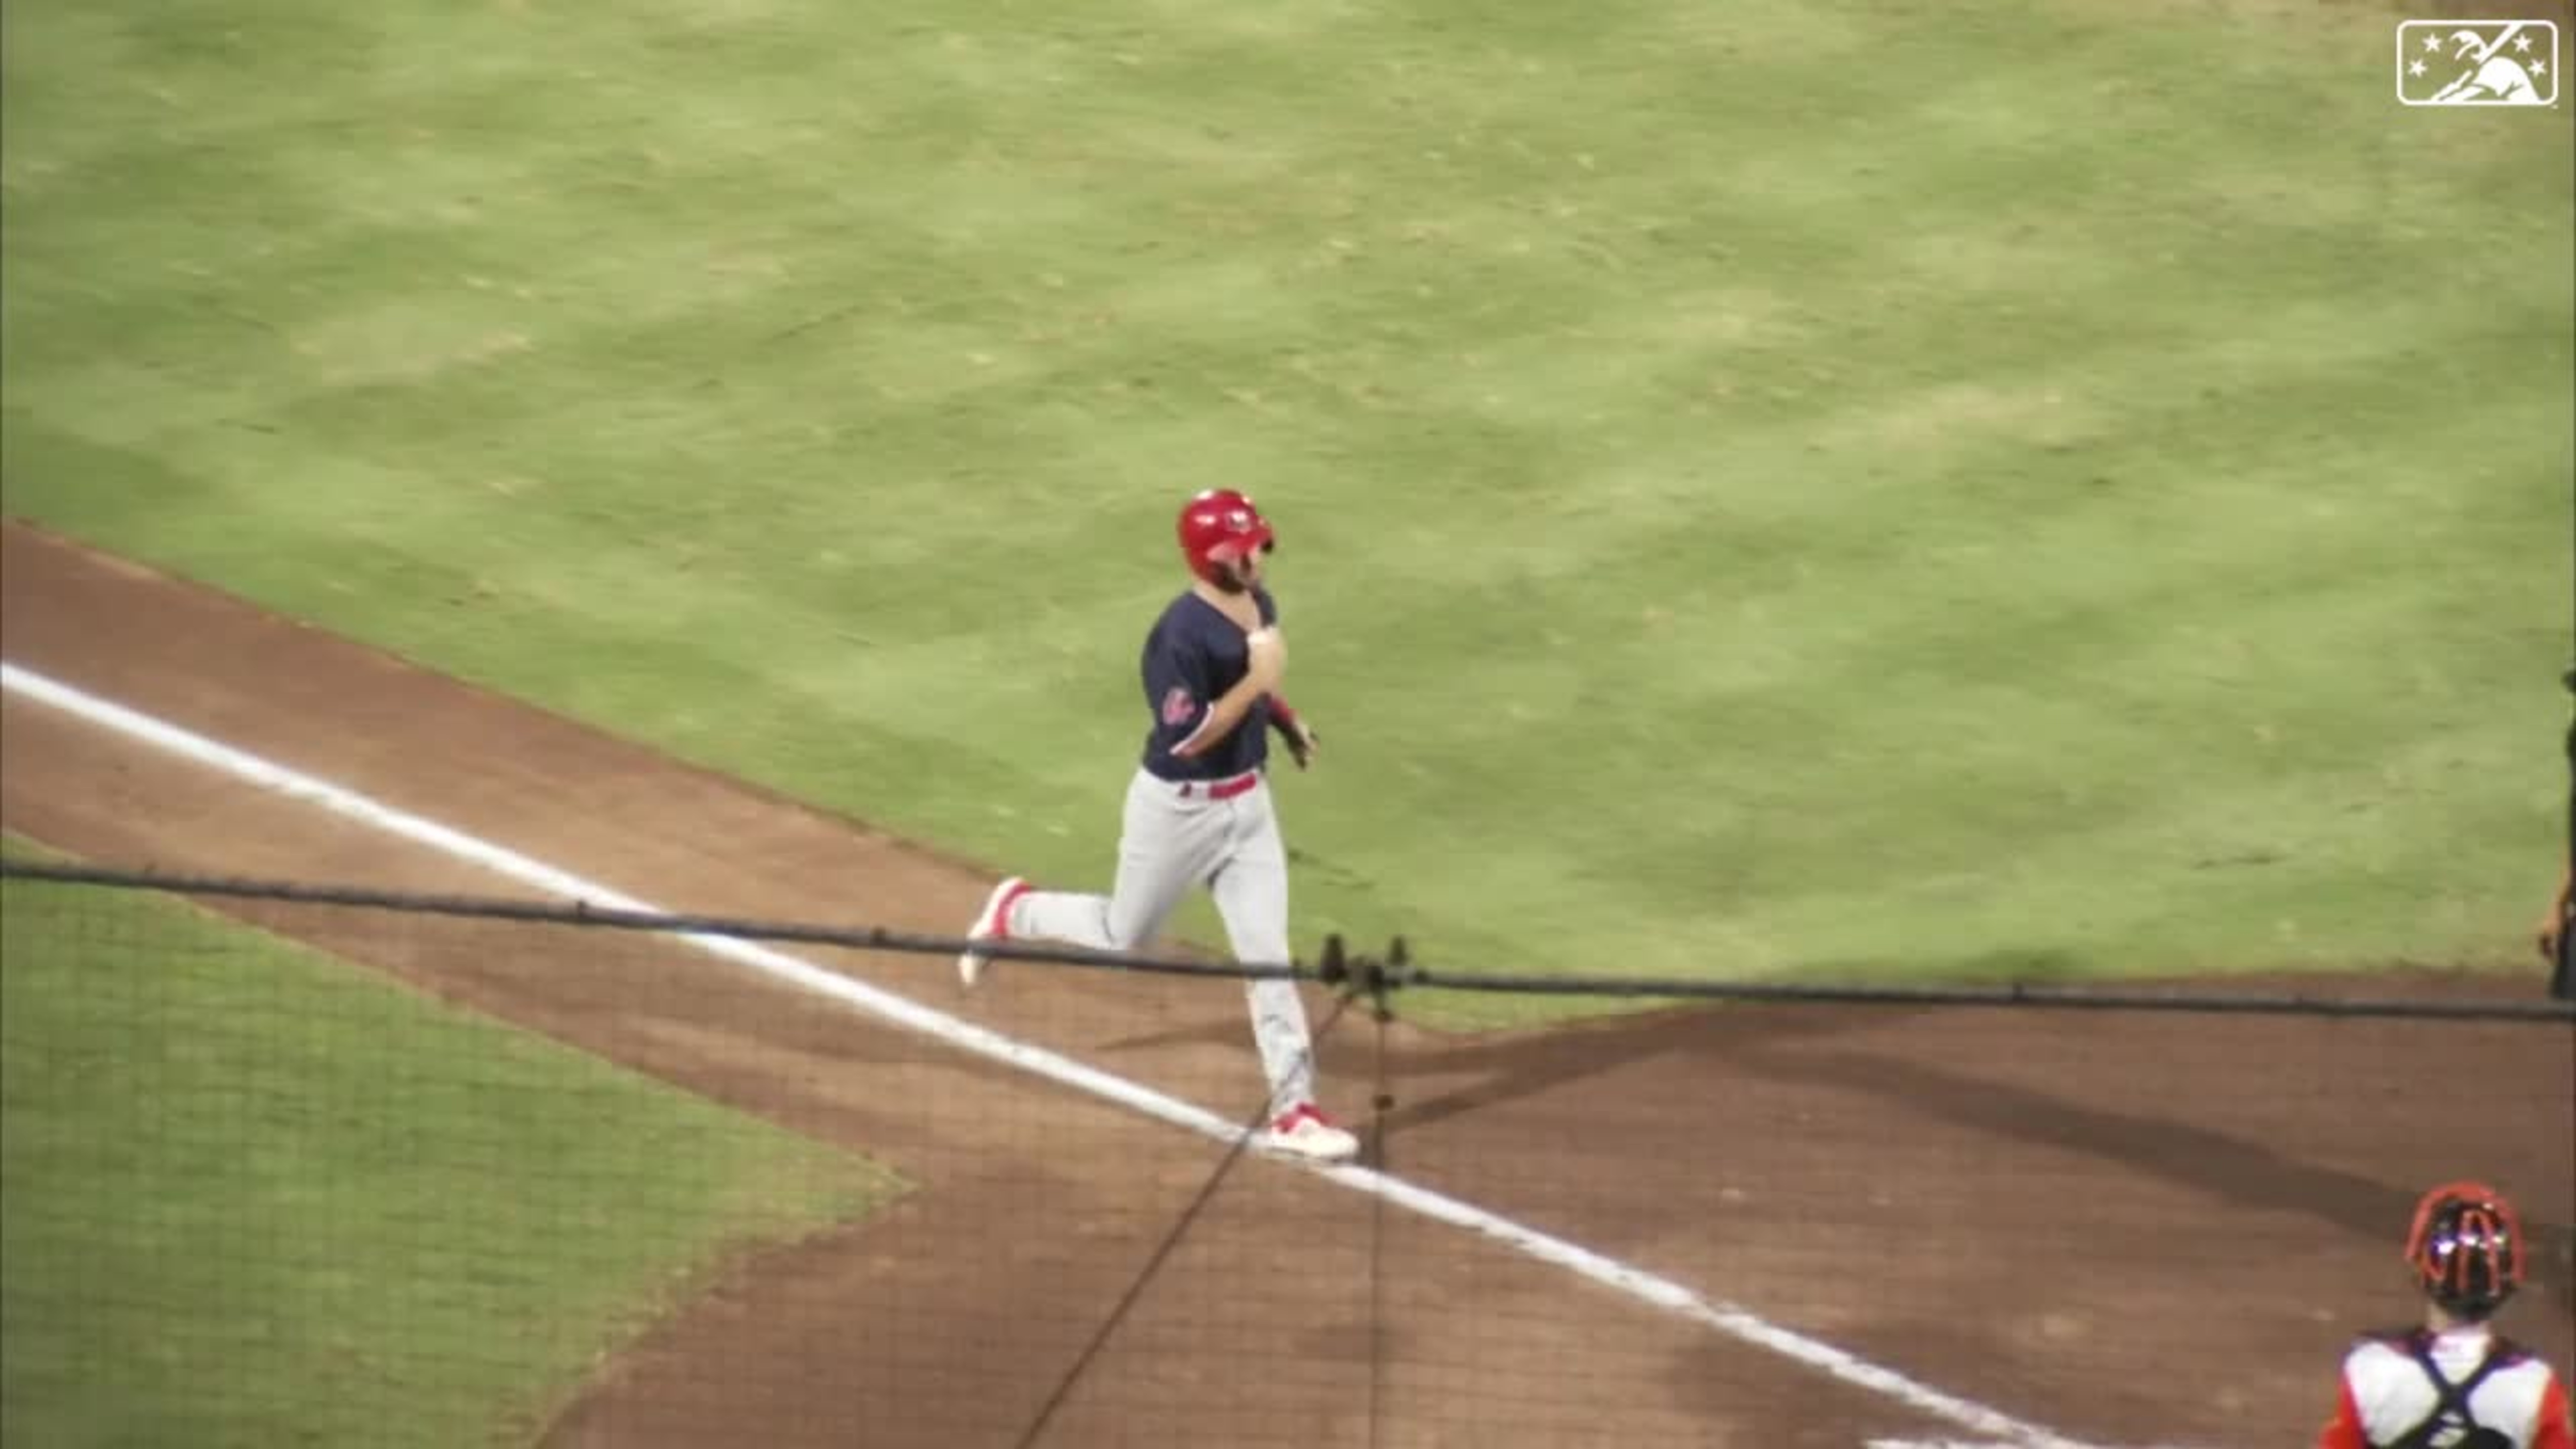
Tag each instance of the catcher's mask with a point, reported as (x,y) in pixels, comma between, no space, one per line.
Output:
(1218,527)
(2466,1248)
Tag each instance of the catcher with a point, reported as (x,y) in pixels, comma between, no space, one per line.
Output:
(2453,1383)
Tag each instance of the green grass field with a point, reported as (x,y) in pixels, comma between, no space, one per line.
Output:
(256,1198)
(1886,488)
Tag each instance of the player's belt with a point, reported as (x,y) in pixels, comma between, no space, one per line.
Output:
(1220,789)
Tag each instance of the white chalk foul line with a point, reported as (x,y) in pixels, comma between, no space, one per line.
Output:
(1633,1282)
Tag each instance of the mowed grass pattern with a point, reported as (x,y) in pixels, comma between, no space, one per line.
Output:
(1883,488)
(256,1197)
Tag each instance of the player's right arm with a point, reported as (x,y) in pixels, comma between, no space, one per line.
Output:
(2344,1430)
(1267,661)
(2555,920)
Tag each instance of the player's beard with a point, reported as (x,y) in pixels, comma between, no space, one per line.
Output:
(1239,575)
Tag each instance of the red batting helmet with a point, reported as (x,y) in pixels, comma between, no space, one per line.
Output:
(1220,526)
(2466,1248)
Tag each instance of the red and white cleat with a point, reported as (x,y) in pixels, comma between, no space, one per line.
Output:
(992,924)
(1304,1131)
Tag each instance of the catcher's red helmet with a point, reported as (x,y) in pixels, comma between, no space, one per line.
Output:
(1219,526)
(2466,1248)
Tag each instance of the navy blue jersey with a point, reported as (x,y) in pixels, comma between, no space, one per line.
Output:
(1192,657)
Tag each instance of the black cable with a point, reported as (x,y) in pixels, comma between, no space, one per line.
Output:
(1381,1102)
(1656,989)
(1135,1293)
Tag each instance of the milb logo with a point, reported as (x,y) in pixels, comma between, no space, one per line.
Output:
(2477,63)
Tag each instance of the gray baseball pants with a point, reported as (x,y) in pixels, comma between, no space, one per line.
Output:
(1172,841)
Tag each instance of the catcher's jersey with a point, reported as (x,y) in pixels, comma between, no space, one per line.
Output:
(1192,657)
(2387,1397)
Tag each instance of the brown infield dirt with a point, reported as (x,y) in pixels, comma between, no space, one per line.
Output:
(2129,1228)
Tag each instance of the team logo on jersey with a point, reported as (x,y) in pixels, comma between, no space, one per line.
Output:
(2477,63)
(1178,706)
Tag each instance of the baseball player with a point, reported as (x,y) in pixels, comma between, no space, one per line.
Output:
(2558,934)
(2558,924)
(1199,810)
(2453,1384)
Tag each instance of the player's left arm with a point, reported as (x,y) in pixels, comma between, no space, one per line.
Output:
(1303,742)
(1301,737)
(2552,1430)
